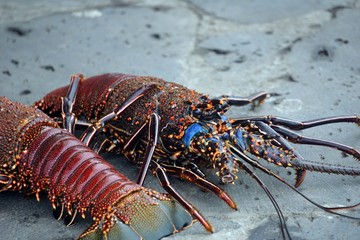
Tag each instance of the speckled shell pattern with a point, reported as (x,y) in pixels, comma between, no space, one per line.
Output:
(101,94)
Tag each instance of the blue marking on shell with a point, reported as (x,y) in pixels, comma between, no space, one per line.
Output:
(239,139)
(191,131)
(224,118)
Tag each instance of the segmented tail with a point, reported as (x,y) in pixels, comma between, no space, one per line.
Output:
(78,180)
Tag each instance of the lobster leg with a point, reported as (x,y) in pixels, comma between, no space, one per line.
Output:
(224,102)
(135,138)
(242,101)
(67,103)
(94,129)
(153,137)
(102,143)
(159,172)
(185,174)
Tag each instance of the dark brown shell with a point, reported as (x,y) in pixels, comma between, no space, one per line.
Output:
(101,94)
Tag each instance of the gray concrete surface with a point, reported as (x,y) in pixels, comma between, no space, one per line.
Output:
(304,52)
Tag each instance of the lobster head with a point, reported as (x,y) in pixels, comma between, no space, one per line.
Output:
(207,138)
(213,143)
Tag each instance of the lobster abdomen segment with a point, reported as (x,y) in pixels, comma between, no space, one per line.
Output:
(48,165)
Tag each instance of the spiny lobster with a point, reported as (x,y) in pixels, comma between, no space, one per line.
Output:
(36,155)
(187,131)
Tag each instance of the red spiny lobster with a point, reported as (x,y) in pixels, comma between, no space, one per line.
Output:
(187,131)
(36,155)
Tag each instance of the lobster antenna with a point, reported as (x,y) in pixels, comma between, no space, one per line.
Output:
(254,163)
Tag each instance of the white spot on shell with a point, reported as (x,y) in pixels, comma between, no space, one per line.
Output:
(289,105)
(88,14)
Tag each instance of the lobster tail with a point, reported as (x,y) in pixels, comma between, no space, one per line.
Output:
(78,180)
(157,220)
(134,219)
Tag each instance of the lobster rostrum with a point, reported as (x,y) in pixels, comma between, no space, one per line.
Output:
(172,130)
(36,155)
